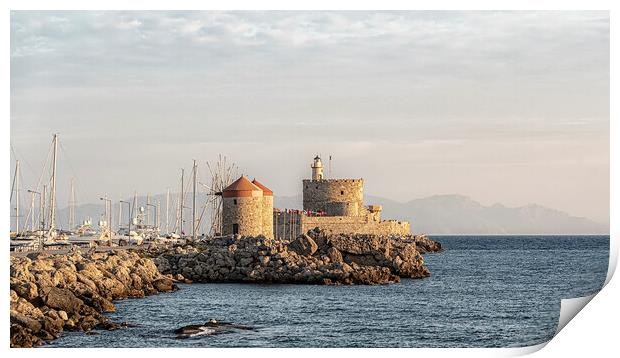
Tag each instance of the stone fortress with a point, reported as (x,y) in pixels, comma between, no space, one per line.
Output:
(340,207)
(334,205)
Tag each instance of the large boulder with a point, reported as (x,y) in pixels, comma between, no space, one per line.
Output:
(24,307)
(334,255)
(25,289)
(424,244)
(20,269)
(62,299)
(303,245)
(164,284)
(162,263)
(30,323)
(111,288)
(358,244)
(23,337)
(371,275)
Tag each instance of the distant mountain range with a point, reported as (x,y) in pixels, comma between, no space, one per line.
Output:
(460,215)
(439,214)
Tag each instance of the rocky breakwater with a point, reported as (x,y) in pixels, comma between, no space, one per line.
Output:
(51,293)
(312,258)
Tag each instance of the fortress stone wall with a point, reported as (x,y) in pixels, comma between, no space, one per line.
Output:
(289,225)
(335,197)
(355,225)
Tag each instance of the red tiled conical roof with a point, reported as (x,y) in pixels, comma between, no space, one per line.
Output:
(266,191)
(241,187)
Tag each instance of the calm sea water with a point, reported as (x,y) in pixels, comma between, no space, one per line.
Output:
(498,291)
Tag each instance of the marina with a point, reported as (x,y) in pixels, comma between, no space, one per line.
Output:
(38,228)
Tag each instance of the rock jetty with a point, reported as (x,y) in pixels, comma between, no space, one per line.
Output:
(312,258)
(51,293)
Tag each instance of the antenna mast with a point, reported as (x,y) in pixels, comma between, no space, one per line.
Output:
(330,166)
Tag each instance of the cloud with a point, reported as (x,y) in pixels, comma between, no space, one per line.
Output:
(404,82)
(131,24)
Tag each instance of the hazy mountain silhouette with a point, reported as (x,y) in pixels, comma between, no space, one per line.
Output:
(458,214)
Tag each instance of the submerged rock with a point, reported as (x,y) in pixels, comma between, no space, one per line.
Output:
(209,328)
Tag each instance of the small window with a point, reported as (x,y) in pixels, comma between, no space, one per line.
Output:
(317,187)
(341,192)
(235,201)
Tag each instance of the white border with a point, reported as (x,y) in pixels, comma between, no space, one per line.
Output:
(593,329)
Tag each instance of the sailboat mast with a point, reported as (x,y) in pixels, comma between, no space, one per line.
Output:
(120,214)
(32,211)
(182,203)
(158,215)
(53,189)
(194,202)
(105,209)
(72,206)
(43,207)
(17,196)
(108,204)
(40,216)
(177,218)
(167,205)
(135,203)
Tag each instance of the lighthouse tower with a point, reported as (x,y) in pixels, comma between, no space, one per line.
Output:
(317,169)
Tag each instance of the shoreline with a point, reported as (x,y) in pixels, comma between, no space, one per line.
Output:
(53,292)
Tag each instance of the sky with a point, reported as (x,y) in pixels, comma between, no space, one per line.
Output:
(503,107)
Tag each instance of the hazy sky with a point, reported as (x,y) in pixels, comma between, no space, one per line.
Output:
(509,107)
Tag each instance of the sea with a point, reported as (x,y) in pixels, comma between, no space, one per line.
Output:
(484,291)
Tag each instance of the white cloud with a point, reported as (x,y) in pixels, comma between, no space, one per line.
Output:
(128,24)
(419,85)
